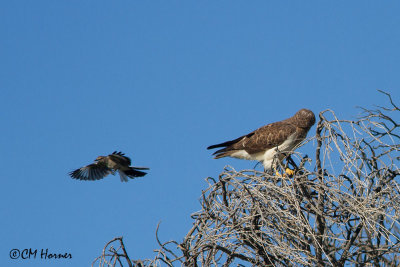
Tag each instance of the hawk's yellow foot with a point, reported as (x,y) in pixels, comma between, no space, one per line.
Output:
(288,171)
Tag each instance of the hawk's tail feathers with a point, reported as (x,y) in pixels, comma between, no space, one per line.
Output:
(224,144)
(223,153)
(229,143)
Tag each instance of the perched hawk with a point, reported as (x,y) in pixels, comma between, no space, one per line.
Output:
(263,143)
(105,165)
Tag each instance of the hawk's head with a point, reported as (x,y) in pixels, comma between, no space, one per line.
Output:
(304,118)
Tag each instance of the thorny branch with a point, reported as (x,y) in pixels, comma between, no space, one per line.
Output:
(342,209)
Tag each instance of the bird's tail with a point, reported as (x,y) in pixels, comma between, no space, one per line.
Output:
(225,152)
(227,149)
(133,172)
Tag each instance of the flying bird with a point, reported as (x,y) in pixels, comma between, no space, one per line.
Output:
(263,143)
(105,165)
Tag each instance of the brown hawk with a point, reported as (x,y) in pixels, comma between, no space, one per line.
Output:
(263,143)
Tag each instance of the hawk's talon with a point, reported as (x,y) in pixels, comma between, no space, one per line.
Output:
(289,172)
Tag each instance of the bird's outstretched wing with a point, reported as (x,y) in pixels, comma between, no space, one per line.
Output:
(91,172)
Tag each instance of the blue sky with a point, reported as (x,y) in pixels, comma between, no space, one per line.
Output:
(161,81)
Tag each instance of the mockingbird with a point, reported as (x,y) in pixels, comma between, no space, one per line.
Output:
(105,165)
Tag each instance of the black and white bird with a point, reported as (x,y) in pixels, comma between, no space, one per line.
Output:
(105,165)
(265,142)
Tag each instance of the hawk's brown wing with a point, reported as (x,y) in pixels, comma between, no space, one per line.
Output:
(95,171)
(266,137)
